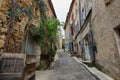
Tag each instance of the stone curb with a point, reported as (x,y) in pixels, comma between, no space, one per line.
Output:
(103,77)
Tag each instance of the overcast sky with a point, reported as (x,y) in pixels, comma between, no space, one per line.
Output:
(61,8)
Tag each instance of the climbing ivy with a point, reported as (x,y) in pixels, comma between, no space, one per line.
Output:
(47,31)
(47,27)
(46,35)
(17,11)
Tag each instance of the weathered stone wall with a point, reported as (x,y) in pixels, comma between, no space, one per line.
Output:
(16,39)
(3,21)
(104,19)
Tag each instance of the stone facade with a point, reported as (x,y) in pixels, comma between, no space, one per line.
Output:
(16,33)
(67,27)
(12,29)
(103,35)
(104,19)
(3,23)
(14,42)
(72,26)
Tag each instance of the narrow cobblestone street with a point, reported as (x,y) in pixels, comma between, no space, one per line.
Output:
(65,68)
(59,39)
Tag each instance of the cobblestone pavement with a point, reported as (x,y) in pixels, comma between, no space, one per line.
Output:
(66,68)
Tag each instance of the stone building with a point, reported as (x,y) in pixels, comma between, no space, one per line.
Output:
(67,28)
(51,12)
(72,26)
(14,20)
(84,37)
(105,23)
(98,37)
(17,20)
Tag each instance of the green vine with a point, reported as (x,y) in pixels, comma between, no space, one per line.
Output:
(50,33)
(47,27)
(17,11)
(47,31)
(46,34)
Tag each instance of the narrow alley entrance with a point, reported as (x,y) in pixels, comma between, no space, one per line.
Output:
(65,68)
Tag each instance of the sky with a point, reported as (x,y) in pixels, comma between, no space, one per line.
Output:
(61,8)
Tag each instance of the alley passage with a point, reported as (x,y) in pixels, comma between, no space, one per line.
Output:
(65,68)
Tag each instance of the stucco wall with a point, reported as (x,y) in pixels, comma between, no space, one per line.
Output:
(104,20)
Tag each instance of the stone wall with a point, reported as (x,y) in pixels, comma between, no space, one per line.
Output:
(104,19)
(3,21)
(14,42)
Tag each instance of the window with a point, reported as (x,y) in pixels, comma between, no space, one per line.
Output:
(72,28)
(72,18)
(117,37)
